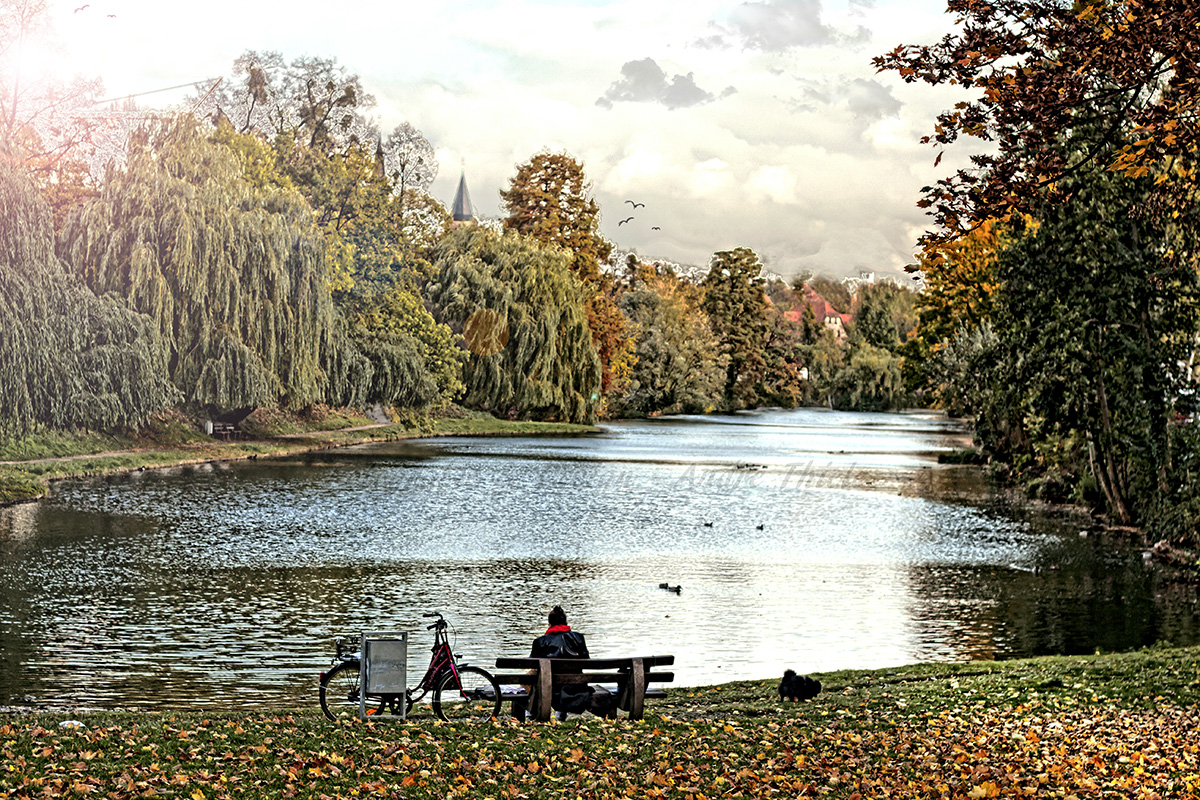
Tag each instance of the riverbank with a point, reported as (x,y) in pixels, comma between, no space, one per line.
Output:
(29,466)
(1080,726)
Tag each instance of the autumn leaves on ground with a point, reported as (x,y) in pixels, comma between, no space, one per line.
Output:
(1092,726)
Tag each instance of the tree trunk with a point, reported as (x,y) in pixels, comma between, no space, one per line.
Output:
(1117,495)
(1159,421)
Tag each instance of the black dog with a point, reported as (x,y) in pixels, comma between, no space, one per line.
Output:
(798,687)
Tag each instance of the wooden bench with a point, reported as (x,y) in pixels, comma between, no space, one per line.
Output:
(225,430)
(628,677)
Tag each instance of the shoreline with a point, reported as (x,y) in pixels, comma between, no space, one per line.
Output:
(176,442)
(28,481)
(834,682)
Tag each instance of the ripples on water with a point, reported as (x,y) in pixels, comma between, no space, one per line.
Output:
(224,584)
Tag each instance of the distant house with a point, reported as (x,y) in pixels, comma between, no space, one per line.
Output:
(823,312)
(865,277)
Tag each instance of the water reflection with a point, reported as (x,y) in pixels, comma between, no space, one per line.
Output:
(834,540)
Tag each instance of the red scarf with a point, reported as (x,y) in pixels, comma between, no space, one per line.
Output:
(558,629)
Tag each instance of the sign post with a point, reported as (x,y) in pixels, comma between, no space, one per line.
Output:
(384,668)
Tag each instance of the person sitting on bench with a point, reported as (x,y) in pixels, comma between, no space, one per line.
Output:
(559,641)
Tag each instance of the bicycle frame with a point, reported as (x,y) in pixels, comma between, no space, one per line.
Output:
(441,661)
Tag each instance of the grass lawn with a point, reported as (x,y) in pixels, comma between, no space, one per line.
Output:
(1121,725)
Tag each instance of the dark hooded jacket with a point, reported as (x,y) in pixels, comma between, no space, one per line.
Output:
(559,641)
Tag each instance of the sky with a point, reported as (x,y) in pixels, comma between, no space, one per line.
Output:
(736,124)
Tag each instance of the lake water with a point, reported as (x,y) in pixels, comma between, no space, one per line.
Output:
(806,539)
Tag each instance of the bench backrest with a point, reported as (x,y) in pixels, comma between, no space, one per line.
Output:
(568,665)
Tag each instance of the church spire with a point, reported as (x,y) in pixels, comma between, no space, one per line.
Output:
(461,210)
(380,168)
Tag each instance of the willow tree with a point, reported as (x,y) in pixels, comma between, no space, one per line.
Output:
(413,361)
(523,312)
(680,367)
(549,200)
(233,276)
(68,359)
(417,360)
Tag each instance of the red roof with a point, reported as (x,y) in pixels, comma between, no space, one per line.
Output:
(820,307)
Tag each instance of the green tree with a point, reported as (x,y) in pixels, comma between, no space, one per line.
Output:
(523,312)
(783,382)
(417,361)
(1088,110)
(834,291)
(70,359)
(233,277)
(261,164)
(374,273)
(369,192)
(886,314)
(1096,319)
(679,366)
(823,356)
(874,326)
(737,310)
(958,373)
(870,380)
(957,299)
(871,375)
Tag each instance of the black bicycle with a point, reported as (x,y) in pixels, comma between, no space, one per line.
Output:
(459,691)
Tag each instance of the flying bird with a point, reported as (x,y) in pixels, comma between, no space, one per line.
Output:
(82,7)
(622,222)
(655,228)
(635,205)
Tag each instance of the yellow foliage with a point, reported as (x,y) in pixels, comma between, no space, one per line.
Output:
(960,280)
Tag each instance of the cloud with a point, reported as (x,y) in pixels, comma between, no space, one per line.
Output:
(645,81)
(775,183)
(870,99)
(865,98)
(776,25)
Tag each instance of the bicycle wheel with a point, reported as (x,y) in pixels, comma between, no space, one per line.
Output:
(478,700)
(339,693)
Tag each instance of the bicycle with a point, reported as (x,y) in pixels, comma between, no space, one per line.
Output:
(460,692)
